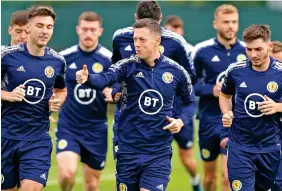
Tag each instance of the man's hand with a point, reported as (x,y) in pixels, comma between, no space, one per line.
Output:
(227,119)
(223,143)
(16,95)
(82,75)
(107,92)
(217,89)
(268,107)
(54,103)
(174,126)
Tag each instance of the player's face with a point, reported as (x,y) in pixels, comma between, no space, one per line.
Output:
(178,30)
(89,33)
(18,34)
(145,42)
(41,30)
(258,51)
(226,25)
(277,56)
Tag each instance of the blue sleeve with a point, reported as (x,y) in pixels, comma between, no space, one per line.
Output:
(228,86)
(116,53)
(184,58)
(223,133)
(201,88)
(116,88)
(116,73)
(60,81)
(185,91)
(4,69)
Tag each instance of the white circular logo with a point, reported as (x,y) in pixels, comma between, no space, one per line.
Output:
(272,87)
(49,71)
(97,67)
(220,78)
(2,178)
(83,95)
(34,91)
(150,102)
(236,185)
(241,57)
(167,77)
(62,144)
(251,105)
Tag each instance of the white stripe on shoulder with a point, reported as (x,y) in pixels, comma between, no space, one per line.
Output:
(9,49)
(105,52)
(57,55)
(242,43)
(122,31)
(69,50)
(119,64)
(277,65)
(235,65)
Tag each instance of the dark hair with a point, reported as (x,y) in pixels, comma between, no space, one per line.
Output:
(150,24)
(90,16)
(277,47)
(256,31)
(39,10)
(174,21)
(148,9)
(19,18)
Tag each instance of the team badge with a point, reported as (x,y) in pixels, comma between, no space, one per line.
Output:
(161,49)
(49,71)
(272,87)
(97,67)
(206,153)
(122,187)
(62,144)
(241,57)
(2,178)
(167,77)
(236,185)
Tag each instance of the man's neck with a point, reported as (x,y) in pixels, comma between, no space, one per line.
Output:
(88,49)
(226,43)
(35,50)
(263,67)
(151,61)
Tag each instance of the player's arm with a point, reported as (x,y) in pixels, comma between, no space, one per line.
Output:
(184,58)
(201,87)
(100,81)
(59,92)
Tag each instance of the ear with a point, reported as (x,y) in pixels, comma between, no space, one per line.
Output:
(77,29)
(158,40)
(136,18)
(214,24)
(270,46)
(27,28)
(101,31)
(10,28)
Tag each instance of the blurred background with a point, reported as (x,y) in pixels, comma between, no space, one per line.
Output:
(197,17)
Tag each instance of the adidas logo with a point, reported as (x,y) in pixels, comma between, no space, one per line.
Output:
(140,75)
(21,69)
(243,85)
(73,66)
(43,176)
(215,59)
(128,48)
(161,187)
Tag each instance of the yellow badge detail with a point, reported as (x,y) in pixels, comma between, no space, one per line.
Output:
(206,153)
(49,71)
(241,57)
(122,187)
(272,87)
(236,185)
(97,67)
(62,144)
(161,49)
(2,178)
(167,77)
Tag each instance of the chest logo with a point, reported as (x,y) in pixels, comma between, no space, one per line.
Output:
(215,59)
(35,91)
(167,77)
(97,67)
(84,95)
(272,87)
(236,185)
(161,49)
(49,71)
(251,105)
(150,102)
(241,57)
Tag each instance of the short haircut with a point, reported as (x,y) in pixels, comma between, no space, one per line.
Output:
(277,47)
(150,24)
(19,18)
(148,9)
(225,9)
(174,20)
(256,31)
(90,16)
(39,10)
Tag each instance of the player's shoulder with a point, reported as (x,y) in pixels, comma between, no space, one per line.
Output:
(104,52)
(6,50)
(123,32)
(125,61)
(204,44)
(178,39)
(68,51)
(55,55)
(237,66)
(242,43)
(277,65)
